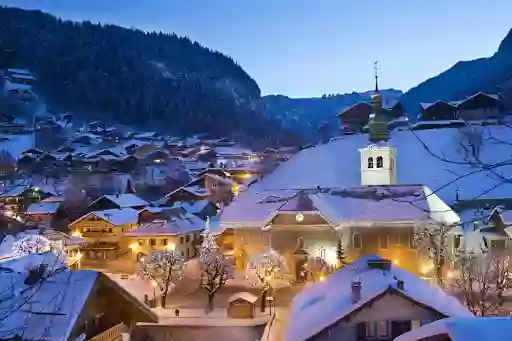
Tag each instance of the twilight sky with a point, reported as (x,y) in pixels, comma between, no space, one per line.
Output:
(305,48)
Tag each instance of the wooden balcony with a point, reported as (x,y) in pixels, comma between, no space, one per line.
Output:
(112,334)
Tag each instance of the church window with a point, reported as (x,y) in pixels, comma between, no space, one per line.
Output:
(380,162)
(370,162)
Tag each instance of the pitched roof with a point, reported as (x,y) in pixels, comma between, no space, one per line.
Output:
(246,296)
(175,225)
(50,310)
(43,208)
(324,303)
(463,329)
(115,216)
(337,165)
(124,200)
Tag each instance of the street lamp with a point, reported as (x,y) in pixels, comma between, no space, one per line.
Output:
(154,284)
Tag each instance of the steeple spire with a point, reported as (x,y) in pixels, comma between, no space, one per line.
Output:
(376,69)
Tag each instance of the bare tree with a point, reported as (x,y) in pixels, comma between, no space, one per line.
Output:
(266,269)
(480,281)
(432,243)
(165,268)
(216,270)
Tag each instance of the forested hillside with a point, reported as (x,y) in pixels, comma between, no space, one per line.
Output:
(312,117)
(128,76)
(493,74)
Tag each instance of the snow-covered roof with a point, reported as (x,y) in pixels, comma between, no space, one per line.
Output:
(125,200)
(232,151)
(246,296)
(50,309)
(324,303)
(54,199)
(463,329)
(122,216)
(175,225)
(43,208)
(192,207)
(337,165)
(425,106)
(343,207)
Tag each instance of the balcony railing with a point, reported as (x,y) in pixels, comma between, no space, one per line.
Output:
(112,334)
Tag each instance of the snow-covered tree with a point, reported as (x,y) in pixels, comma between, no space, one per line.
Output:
(432,242)
(165,268)
(340,254)
(316,267)
(480,281)
(216,269)
(266,269)
(35,244)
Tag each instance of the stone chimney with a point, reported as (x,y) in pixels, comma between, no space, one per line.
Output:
(356,290)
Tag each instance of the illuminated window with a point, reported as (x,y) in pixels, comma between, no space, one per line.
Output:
(380,162)
(370,162)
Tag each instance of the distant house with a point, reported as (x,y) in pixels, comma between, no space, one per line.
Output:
(200,208)
(462,329)
(181,233)
(118,201)
(480,106)
(370,299)
(439,110)
(74,304)
(185,193)
(104,232)
(42,213)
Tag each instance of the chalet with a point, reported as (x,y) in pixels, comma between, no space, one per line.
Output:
(19,82)
(181,233)
(327,311)
(480,106)
(242,305)
(439,110)
(74,304)
(461,329)
(118,201)
(222,189)
(42,213)
(104,231)
(355,117)
(191,193)
(215,171)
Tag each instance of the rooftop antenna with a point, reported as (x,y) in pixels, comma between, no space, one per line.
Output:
(376,70)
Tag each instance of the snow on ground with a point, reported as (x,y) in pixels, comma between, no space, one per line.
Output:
(16,143)
(218,318)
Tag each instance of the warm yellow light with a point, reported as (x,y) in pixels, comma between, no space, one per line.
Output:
(77,234)
(133,246)
(450,274)
(78,256)
(396,262)
(171,247)
(425,269)
(321,278)
(154,283)
(9,213)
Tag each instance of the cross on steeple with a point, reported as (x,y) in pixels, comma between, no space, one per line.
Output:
(376,69)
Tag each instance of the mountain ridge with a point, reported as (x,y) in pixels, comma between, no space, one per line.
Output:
(132,77)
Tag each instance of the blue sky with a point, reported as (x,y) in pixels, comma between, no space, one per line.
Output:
(305,48)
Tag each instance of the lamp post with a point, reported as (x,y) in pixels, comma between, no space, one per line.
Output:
(154,284)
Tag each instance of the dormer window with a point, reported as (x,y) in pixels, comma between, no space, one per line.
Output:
(370,162)
(380,162)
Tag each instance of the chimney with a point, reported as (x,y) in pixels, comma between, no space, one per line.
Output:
(356,291)
(400,284)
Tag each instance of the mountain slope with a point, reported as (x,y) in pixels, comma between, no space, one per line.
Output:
(306,115)
(465,78)
(131,77)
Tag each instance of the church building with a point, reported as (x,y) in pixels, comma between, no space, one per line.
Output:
(303,214)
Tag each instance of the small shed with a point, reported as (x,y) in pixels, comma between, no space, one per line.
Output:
(242,305)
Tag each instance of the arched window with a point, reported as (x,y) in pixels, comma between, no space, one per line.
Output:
(370,162)
(380,162)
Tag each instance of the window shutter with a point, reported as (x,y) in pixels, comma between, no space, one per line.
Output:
(361,331)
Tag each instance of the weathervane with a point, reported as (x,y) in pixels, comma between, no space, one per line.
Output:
(376,69)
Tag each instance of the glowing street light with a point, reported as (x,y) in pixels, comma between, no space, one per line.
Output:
(171,247)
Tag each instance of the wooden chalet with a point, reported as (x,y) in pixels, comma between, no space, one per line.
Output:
(481,106)
(118,201)
(355,117)
(186,194)
(439,110)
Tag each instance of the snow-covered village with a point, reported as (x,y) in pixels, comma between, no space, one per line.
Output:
(150,191)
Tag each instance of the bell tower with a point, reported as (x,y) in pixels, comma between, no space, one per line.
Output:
(378,160)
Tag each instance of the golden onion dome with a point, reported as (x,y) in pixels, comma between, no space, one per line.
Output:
(376,97)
